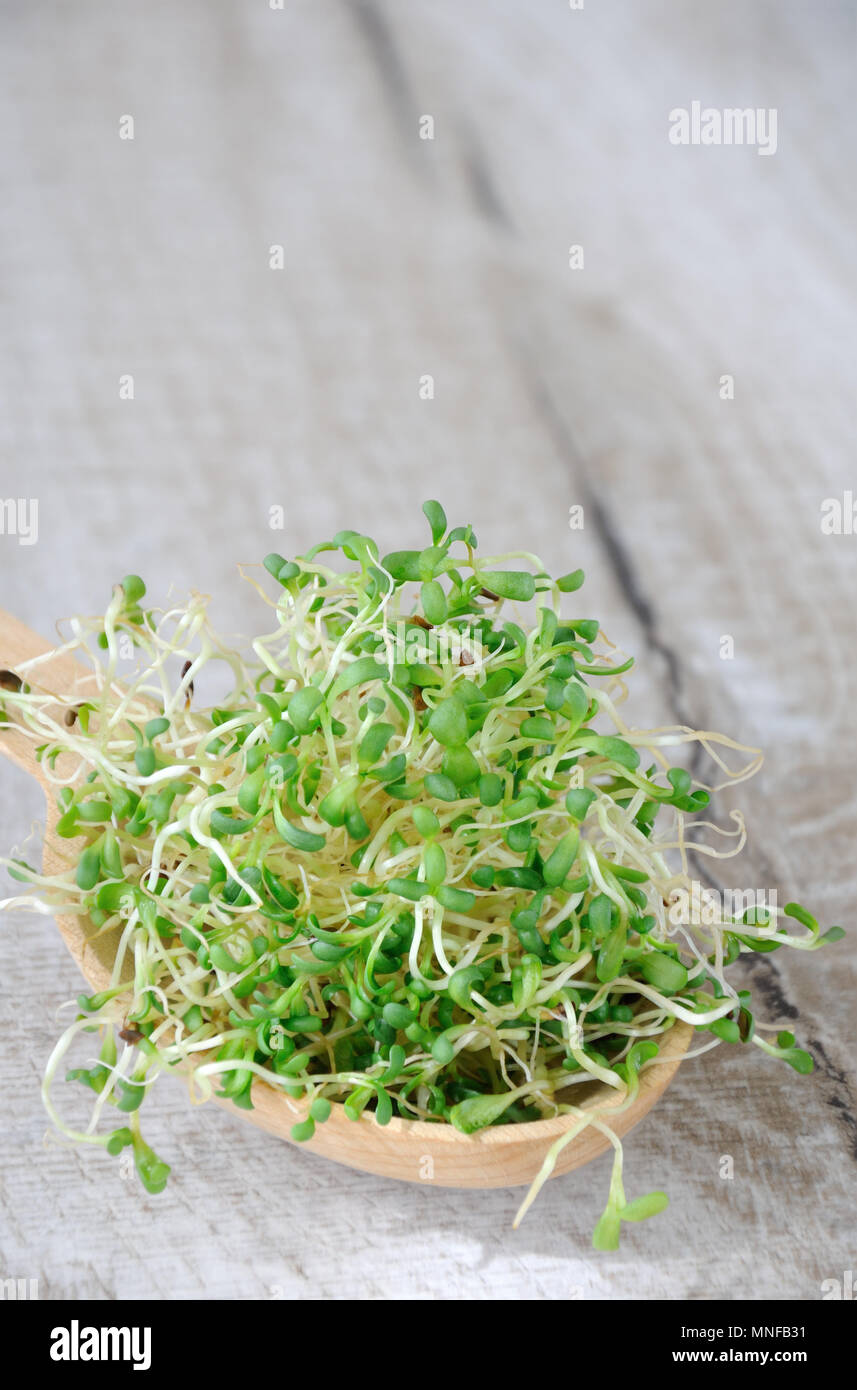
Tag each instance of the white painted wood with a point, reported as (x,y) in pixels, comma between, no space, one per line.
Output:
(255,387)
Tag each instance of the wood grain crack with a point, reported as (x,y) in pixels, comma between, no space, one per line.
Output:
(395,83)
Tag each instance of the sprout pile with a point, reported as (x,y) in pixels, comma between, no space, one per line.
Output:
(412,862)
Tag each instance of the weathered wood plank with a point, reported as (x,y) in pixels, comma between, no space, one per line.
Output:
(600,386)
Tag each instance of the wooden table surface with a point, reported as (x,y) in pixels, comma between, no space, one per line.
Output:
(553,387)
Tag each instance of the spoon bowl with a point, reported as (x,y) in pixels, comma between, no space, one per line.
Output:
(409,1150)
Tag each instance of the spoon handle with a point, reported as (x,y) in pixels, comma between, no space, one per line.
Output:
(19,649)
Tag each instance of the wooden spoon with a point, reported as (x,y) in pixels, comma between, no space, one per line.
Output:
(411,1150)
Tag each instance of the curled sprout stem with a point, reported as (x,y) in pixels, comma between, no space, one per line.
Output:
(412,860)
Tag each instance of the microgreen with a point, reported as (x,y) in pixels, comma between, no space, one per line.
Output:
(385,872)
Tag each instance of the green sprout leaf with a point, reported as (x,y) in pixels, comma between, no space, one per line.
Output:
(411,862)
